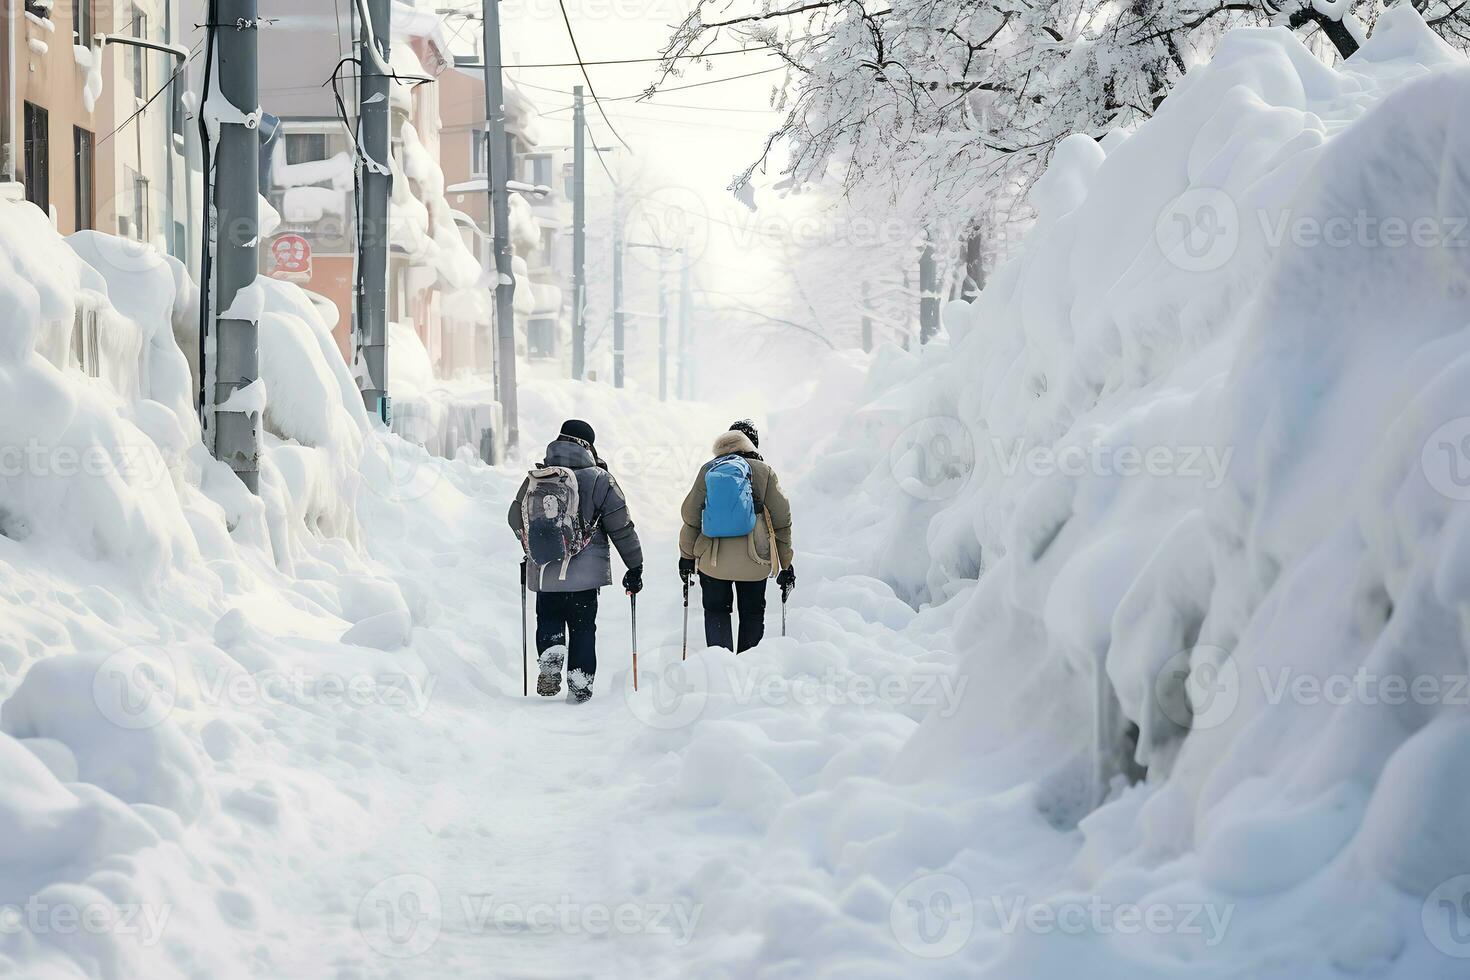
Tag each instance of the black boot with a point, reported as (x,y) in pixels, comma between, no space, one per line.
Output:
(579,686)
(550,661)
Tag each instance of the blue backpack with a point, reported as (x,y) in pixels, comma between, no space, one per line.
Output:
(729,501)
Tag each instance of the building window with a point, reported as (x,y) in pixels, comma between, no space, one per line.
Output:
(538,170)
(541,337)
(81,22)
(86,176)
(306,147)
(140,55)
(477,153)
(38,157)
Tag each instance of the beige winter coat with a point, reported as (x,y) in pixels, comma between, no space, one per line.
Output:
(745,559)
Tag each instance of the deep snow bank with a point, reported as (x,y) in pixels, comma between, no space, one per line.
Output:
(187,670)
(1204,443)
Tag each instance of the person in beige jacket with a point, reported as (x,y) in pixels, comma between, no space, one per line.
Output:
(733,571)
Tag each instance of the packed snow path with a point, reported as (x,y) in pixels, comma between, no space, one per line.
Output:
(530,837)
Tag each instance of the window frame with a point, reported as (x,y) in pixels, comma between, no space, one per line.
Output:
(82,22)
(37,150)
(84,181)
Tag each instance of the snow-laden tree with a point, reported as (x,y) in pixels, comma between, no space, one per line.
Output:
(933,110)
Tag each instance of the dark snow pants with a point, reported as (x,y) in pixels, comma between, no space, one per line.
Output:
(720,599)
(561,613)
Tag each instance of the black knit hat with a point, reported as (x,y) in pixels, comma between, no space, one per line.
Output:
(748,427)
(578,429)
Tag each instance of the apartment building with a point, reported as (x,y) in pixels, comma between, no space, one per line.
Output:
(94,127)
(540,212)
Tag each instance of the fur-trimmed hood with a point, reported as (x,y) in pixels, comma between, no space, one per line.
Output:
(735,443)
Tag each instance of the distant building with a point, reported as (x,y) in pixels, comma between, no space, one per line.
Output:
(539,221)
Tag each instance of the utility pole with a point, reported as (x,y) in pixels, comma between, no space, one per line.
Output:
(928,293)
(499,154)
(685,298)
(579,236)
(619,337)
(663,331)
(371,354)
(867,321)
(236,360)
(908,311)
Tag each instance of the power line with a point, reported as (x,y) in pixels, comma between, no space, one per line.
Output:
(712,81)
(143,108)
(638,61)
(673,88)
(586,77)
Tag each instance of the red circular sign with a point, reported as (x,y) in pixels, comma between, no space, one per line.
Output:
(292,255)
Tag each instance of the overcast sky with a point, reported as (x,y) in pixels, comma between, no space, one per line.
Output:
(686,145)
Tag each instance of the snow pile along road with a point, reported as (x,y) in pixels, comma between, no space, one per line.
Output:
(1204,444)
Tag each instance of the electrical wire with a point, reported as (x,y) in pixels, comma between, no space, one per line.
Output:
(586,77)
(640,61)
(679,88)
(660,91)
(160,90)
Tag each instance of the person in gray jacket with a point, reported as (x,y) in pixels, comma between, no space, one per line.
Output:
(566,596)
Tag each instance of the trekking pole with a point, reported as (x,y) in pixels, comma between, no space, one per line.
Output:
(685,654)
(525,671)
(633,604)
(784,593)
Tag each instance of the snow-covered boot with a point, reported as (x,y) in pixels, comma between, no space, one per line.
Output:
(579,686)
(550,661)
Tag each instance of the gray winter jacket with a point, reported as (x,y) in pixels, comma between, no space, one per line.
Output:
(604,510)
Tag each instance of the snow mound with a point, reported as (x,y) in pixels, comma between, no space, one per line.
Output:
(1191,479)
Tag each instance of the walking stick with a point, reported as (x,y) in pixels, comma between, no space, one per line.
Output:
(633,603)
(525,671)
(685,654)
(784,593)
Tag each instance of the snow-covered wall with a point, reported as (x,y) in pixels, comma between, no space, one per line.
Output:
(132,569)
(1204,444)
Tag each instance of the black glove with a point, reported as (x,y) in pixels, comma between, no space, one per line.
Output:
(786,579)
(633,580)
(686,569)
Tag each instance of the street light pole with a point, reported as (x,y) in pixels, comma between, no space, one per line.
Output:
(928,293)
(619,324)
(236,342)
(371,333)
(867,320)
(685,298)
(498,156)
(579,236)
(663,331)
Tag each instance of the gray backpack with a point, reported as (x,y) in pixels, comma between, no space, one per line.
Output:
(551,518)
